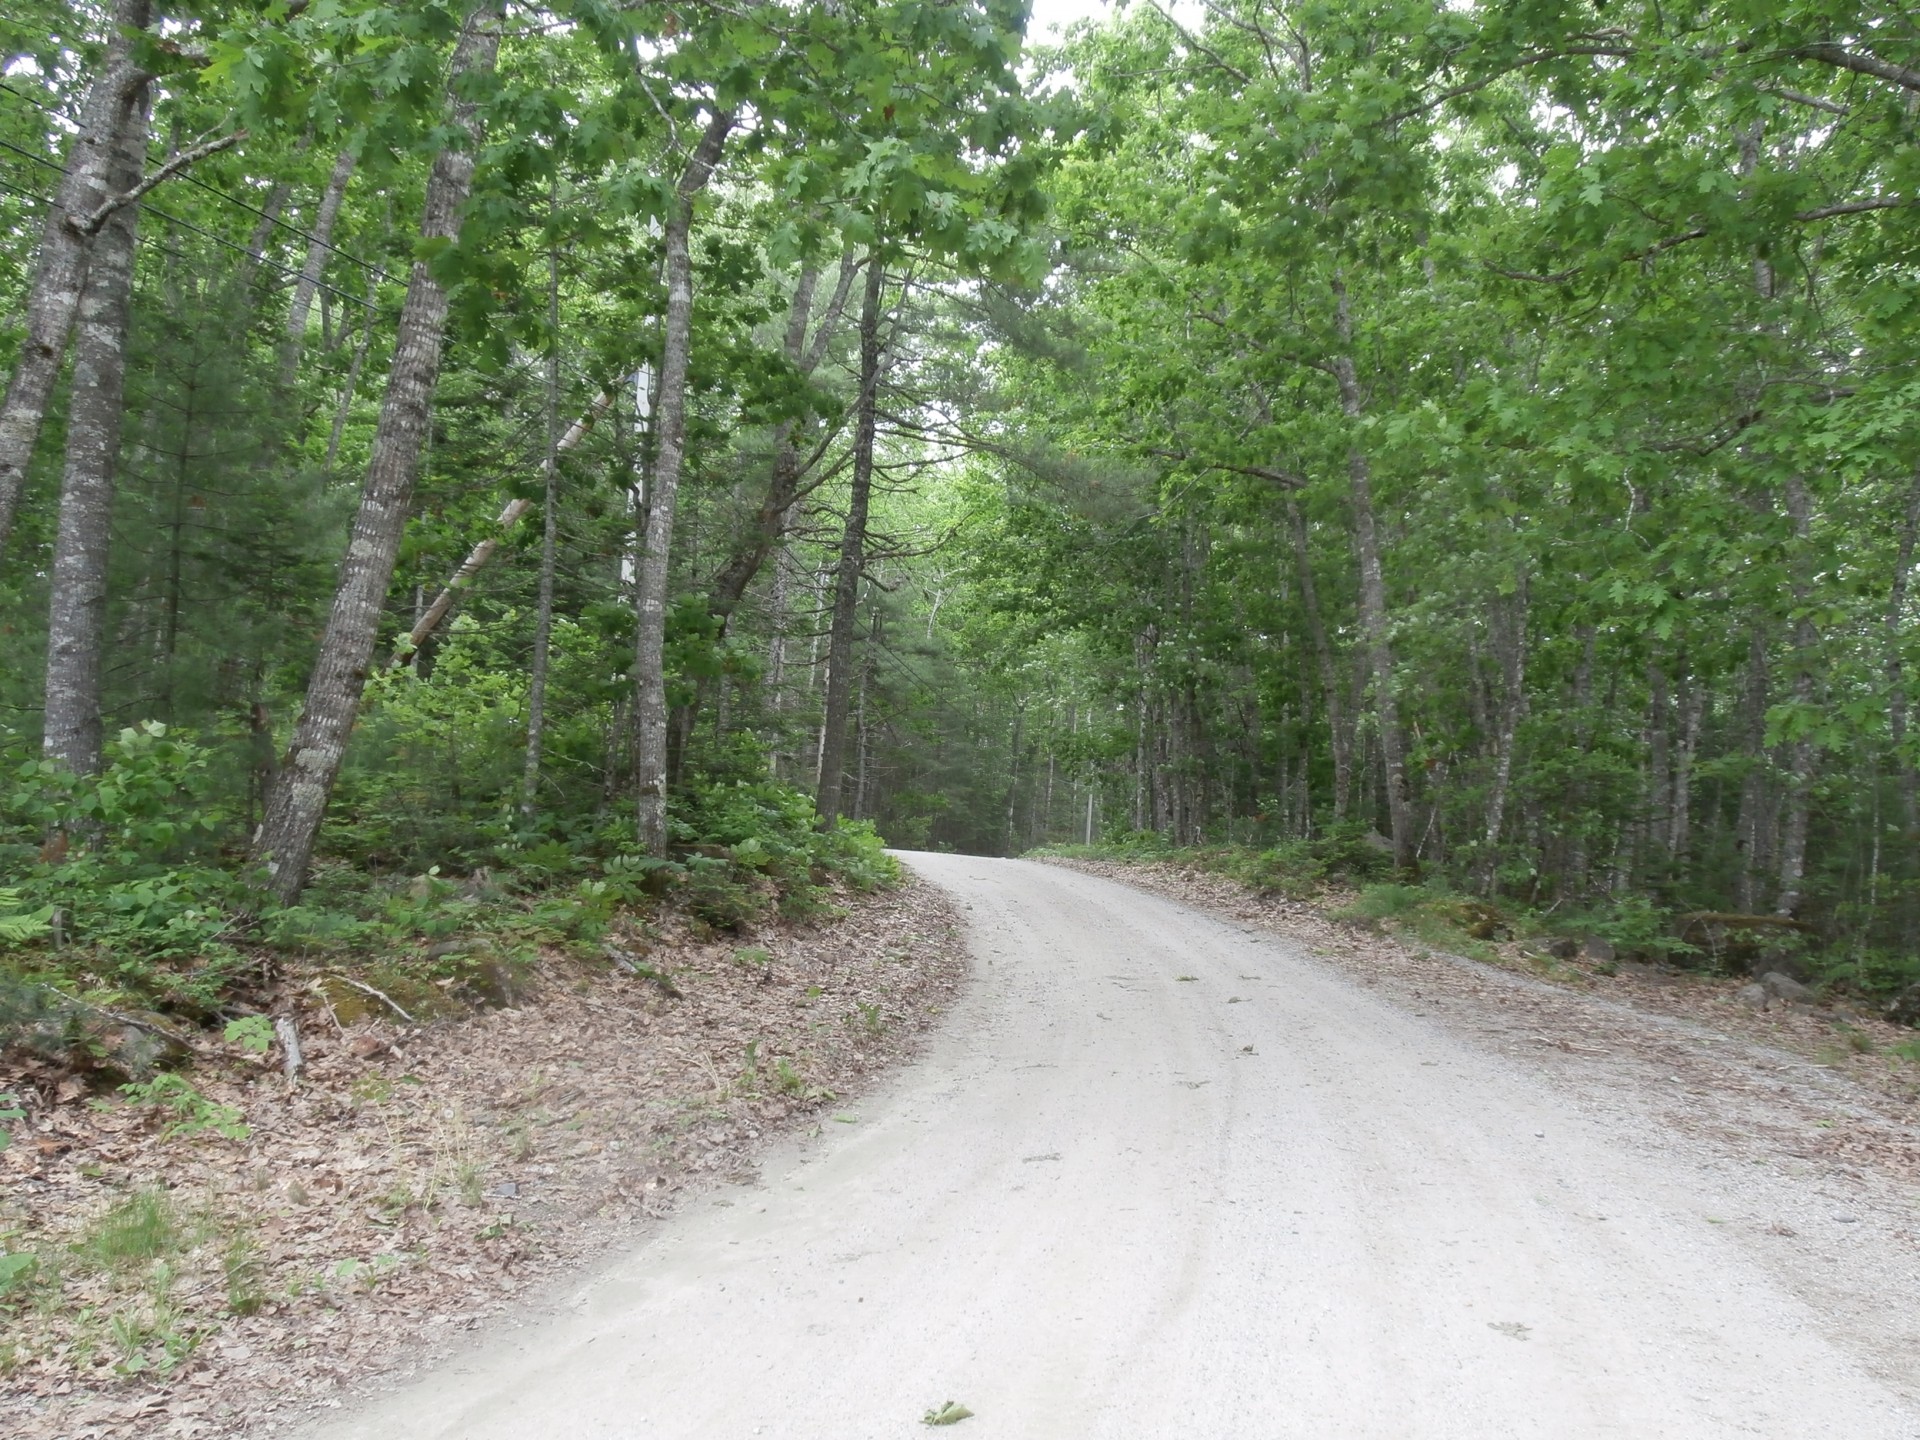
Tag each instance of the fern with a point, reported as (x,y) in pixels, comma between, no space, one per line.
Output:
(16,926)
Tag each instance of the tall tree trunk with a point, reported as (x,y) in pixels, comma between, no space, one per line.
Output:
(1907,776)
(650,590)
(775,515)
(77,599)
(1510,648)
(1013,776)
(1373,600)
(1579,861)
(348,388)
(853,544)
(115,102)
(319,246)
(860,730)
(299,800)
(1753,826)
(1338,724)
(1658,823)
(1692,707)
(549,535)
(1800,753)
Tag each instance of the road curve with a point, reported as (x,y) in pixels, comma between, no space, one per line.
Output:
(1156,1177)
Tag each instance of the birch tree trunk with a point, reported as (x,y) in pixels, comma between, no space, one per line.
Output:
(1692,708)
(458,583)
(116,101)
(77,598)
(299,800)
(319,246)
(853,542)
(650,590)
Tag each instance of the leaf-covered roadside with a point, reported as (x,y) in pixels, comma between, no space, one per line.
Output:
(421,1176)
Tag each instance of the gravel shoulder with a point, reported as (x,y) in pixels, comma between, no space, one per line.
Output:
(1166,1172)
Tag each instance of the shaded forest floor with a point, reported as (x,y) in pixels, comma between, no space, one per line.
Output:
(419,1180)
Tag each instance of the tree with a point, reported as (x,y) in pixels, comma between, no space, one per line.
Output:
(306,775)
(113,106)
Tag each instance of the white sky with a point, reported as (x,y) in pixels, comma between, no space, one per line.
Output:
(1049,15)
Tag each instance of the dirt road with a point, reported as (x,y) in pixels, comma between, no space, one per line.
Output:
(1159,1177)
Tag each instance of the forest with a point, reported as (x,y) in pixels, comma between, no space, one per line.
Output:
(557,456)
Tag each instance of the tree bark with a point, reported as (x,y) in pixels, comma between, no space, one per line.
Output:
(77,598)
(1337,722)
(1801,756)
(1692,708)
(549,536)
(435,614)
(60,269)
(299,800)
(853,542)
(1510,648)
(772,519)
(1751,828)
(1905,773)
(650,591)
(1579,862)
(319,246)
(1373,600)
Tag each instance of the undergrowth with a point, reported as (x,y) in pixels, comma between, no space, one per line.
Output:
(1353,869)
(130,922)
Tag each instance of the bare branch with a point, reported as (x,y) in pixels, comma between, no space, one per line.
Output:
(90,224)
(1286,480)
(1832,107)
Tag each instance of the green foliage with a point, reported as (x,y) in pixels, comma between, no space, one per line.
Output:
(18,926)
(10,1111)
(1390,902)
(16,1272)
(252,1033)
(143,1226)
(1637,925)
(192,1113)
(127,879)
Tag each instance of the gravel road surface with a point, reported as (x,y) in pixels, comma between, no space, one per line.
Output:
(1160,1177)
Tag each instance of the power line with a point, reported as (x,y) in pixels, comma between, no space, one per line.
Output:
(216,239)
(208,234)
(351,259)
(234,200)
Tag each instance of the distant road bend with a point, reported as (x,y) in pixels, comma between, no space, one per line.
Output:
(1157,1177)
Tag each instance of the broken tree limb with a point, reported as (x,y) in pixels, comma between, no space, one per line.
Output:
(381,995)
(292,1060)
(478,557)
(90,224)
